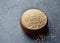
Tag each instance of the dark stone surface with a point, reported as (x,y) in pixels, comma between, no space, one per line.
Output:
(11,11)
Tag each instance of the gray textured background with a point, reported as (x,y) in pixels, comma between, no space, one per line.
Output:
(11,11)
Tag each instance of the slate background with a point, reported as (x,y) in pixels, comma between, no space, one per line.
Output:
(11,11)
